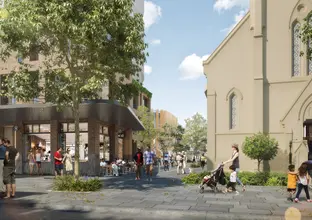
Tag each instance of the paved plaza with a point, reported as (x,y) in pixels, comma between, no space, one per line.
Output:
(165,197)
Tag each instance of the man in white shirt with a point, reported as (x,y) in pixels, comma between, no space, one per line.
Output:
(179,159)
(103,166)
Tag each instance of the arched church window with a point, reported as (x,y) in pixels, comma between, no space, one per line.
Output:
(296,44)
(310,47)
(233,111)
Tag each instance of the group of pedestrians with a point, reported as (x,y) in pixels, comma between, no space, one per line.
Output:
(8,155)
(146,160)
(298,181)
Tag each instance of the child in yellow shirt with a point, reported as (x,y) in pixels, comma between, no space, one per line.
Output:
(291,181)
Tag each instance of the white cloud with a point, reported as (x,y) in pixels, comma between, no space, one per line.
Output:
(237,18)
(223,5)
(155,42)
(147,69)
(192,67)
(152,14)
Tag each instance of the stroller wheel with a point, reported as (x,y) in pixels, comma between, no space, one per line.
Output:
(201,190)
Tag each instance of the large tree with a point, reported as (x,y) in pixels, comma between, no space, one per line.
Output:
(195,135)
(146,137)
(83,44)
(179,146)
(166,137)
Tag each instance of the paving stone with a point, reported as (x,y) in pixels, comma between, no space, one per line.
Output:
(222,206)
(218,209)
(152,202)
(137,205)
(233,202)
(174,207)
(199,208)
(260,207)
(240,210)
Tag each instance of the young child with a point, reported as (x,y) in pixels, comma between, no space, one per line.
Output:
(303,182)
(291,182)
(231,186)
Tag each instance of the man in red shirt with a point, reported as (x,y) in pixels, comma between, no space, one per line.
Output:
(138,158)
(58,162)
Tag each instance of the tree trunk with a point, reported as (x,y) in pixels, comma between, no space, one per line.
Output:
(259,163)
(77,133)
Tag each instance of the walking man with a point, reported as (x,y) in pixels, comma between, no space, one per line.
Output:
(149,159)
(11,155)
(58,162)
(179,160)
(138,158)
(2,157)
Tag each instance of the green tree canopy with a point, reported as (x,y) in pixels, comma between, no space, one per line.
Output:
(195,134)
(82,45)
(166,137)
(145,138)
(260,147)
(178,135)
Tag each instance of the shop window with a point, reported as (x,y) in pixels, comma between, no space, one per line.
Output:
(37,140)
(67,139)
(45,128)
(71,127)
(83,147)
(83,126)
(35,128)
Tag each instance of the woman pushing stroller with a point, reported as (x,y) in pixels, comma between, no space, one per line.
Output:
(235,162)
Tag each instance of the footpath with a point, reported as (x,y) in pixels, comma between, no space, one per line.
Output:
(165,197)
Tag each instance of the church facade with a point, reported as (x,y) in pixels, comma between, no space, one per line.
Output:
(257,81)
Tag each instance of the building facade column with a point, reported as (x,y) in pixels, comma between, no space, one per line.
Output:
(212,144)
(113,142)
(55,141)
(18,131)
(258,19)
(127,151)
(93,147)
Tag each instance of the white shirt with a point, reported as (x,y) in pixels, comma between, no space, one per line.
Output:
(38,157)
(233,177)
(303,180)
(103,164)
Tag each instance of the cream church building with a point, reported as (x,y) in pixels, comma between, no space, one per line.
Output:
(258,82)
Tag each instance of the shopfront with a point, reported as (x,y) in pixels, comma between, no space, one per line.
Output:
(105,132)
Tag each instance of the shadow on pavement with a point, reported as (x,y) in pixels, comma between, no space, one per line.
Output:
(128,182)
(13,210)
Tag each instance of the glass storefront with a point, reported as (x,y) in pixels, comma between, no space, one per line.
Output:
(104,143)
(67,139)
(37,138)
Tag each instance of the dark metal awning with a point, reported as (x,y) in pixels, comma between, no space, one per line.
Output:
(102,110)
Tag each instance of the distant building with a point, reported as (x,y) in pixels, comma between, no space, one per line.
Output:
(162,117)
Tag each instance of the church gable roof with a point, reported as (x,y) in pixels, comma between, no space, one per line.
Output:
(226,39)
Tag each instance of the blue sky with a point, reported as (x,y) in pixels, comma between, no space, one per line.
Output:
(180,34)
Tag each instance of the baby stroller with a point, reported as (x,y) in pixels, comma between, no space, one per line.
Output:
(212,180)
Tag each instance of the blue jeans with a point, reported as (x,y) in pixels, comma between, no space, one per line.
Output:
(237,179)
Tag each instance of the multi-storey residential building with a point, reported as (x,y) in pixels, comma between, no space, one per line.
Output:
(104,126)
(162,117)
